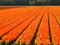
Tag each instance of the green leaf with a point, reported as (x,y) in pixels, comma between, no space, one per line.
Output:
(24,43)
(8,43)
(1,43)
(16,44)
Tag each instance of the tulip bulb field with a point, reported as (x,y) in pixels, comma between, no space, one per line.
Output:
(30,25)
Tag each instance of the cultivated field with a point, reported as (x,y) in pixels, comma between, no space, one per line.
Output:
(30,25)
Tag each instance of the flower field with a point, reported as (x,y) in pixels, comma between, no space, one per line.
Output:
(30,25)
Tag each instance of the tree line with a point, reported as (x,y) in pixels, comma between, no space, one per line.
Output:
(29,2)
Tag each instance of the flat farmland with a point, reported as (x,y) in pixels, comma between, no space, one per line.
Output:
(30,25)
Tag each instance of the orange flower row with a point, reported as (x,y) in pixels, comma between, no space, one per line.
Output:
(11,26)
(12,18)
(13,34)
(55,29)
(57,17)
(28,34)
(43,32)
